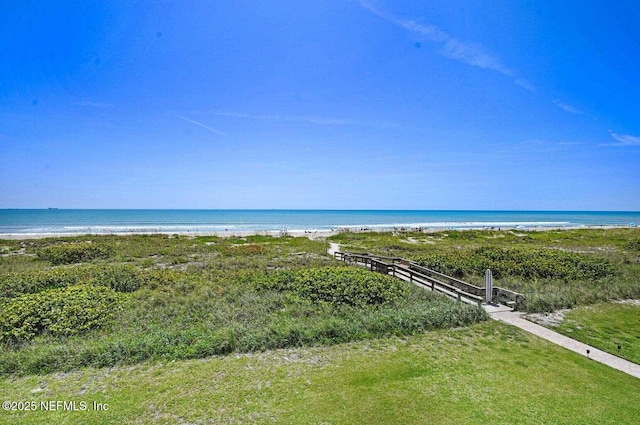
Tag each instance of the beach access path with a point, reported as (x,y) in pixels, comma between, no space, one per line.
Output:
(333,248)
(506,315)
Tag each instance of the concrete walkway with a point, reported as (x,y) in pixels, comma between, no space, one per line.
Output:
(506,315)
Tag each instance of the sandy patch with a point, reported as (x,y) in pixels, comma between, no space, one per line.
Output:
(415,241)
(632,302)
(548,319)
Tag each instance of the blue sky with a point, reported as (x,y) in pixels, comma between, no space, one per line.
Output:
(320,104)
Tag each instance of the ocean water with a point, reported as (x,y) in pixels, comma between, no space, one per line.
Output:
(54,221)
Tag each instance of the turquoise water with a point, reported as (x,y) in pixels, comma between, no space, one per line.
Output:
(203,221)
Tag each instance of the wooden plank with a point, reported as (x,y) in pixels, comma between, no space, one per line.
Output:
(407,271)
(437,285)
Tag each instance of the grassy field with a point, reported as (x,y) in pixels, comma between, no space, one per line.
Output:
(606,326)
(487,373)
(124,300)
(195,330)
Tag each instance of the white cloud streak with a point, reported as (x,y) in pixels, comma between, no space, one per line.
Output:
(288,118)
(624,140)
(94,104)
(450,47)
(473,55)
(567,108)
(526,84)
(213,130)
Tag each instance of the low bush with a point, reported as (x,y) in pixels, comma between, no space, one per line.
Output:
(19,283)
(249,249)
(157,278)
(528,263)
(71,253)
(119,277)
(634,245)
(58,311)
(339,285)
(248,326)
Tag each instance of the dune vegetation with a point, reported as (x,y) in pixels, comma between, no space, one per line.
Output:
(260,329)
(554,269)
(102,301)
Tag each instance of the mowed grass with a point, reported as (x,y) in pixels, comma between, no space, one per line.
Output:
(487,373)
(606,326)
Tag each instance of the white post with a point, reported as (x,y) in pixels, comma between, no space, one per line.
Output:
(488,285)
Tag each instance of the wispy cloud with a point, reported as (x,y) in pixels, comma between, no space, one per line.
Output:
(289,118)
(521,151)
(93,104)
(474,55)
(213,130)
(624,140)
(450,47)
(567,107)
(526,84)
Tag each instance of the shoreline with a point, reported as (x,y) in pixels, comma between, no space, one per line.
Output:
(311,234)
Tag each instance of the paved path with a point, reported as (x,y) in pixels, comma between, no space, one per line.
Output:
(504,314)
(507,315)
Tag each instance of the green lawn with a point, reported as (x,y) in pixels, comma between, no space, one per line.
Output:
(606,326)
(487,373)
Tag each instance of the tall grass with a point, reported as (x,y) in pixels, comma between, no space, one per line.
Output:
(216,302)
(553,269)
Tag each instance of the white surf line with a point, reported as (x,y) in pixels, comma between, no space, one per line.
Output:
(515,319)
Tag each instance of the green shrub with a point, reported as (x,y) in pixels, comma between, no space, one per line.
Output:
(340,285)
(524,262)
(241,250)
(71,253)
(122,278)
(452,263)
(158,278)
(58,311)
(15,284)
(634,245)
(119,277)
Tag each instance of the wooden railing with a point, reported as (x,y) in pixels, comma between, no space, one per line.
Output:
(396,267)
(429,279)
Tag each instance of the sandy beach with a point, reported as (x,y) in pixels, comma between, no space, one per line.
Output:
(311,234)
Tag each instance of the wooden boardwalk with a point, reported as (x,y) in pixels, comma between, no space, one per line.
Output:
(471,294)
(426,278)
